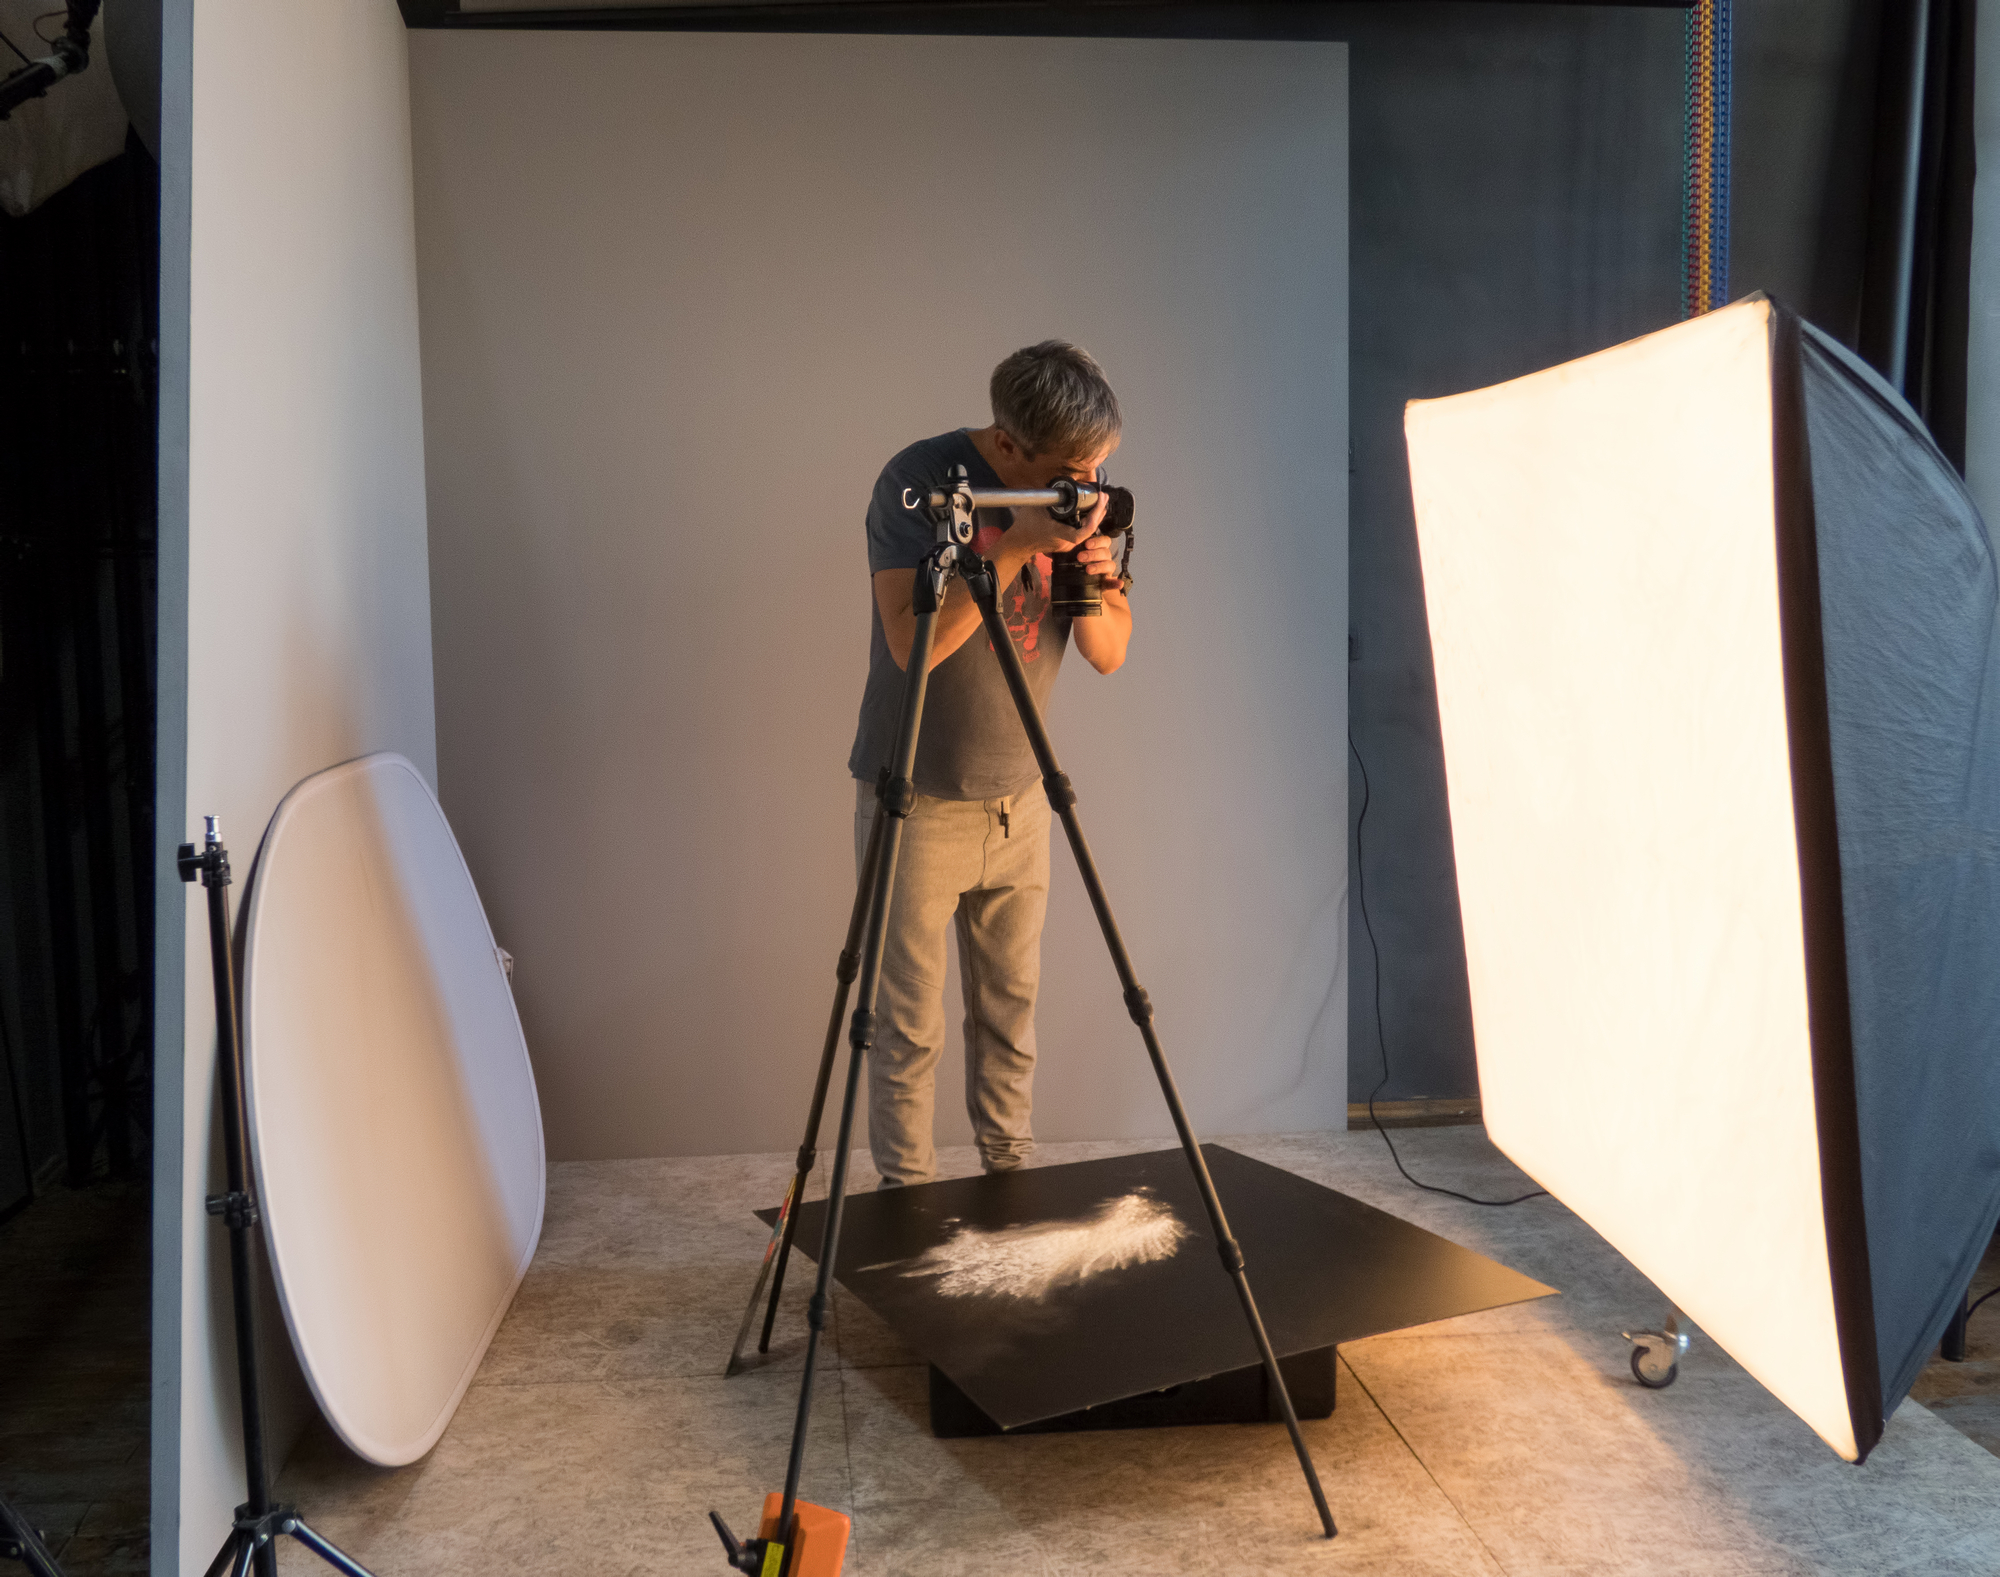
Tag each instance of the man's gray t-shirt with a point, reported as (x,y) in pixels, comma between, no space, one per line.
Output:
(971,745)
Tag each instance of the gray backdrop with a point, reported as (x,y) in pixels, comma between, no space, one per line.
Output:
(670,336)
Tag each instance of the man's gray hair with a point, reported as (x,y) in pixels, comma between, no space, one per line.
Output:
(1053,398)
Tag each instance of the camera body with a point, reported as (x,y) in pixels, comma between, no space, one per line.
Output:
(1073,590)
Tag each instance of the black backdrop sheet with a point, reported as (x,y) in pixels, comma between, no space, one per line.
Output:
(1324,1268)
(1907,597)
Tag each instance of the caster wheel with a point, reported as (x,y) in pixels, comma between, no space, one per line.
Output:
(1648,1370)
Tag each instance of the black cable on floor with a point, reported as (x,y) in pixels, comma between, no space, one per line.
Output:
(1381,1039)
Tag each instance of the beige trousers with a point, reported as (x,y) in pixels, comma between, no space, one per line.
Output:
(983,865)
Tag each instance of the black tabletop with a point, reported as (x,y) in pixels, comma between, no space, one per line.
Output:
(1062,1287)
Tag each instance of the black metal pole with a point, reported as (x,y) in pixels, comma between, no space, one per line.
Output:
(892,809)
(253,1539)
(1062,800)
(1890,271)
(237,1205)
(1951,1346)
(787,1227)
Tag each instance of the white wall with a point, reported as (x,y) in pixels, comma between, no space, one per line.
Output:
(294,598)
(670,335)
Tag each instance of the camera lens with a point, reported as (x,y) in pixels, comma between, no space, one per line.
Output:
(1073,589)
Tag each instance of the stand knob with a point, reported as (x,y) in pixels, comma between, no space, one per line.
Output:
(744,1557)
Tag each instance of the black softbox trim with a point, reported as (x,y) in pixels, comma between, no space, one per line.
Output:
(1827,999)
(1891,624)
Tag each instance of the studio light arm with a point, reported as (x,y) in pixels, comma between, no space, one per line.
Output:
(70,54)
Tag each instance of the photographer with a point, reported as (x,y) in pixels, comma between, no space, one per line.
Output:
(975,849)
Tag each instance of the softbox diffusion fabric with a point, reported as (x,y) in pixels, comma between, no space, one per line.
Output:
(1713,625)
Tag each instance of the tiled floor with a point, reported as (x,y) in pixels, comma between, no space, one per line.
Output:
(74,1304)
(600,1430)
(1967,1395)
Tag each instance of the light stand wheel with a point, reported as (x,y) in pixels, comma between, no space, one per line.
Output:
(1648,1371)
(1656,1355)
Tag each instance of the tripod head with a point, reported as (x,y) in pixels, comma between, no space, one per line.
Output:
(1074,593)
(1065,498)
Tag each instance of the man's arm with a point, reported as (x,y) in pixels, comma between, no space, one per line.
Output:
(1103,640)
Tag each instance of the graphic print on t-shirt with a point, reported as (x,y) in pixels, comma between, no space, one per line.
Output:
(1024,600)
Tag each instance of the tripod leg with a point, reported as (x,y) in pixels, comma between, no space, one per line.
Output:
(225,1558)
(1062,800)
(327,1551)
(785,1229)
(895,805)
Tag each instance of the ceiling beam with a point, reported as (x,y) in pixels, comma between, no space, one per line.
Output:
(968,16)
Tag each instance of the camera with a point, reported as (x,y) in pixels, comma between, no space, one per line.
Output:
(1073,590)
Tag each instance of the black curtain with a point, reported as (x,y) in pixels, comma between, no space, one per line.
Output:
(78,571)
(1915,303)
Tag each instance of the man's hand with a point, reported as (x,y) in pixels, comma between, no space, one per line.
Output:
(1037,531)
(1100,558)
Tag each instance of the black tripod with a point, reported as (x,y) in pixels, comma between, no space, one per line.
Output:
(951,508)
(253,1540)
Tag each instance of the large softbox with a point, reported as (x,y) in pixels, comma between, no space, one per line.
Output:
(1713,624)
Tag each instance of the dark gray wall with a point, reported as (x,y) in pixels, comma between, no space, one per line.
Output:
(1515,203)
(1982,416)
(1516,192)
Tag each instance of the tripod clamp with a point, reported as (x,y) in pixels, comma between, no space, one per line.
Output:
(238,1210)
(265,1526)
(209,861)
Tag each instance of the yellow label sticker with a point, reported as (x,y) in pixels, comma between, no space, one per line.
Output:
(774,1559)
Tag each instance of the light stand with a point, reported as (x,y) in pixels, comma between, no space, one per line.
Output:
(951,508)
(253,1540)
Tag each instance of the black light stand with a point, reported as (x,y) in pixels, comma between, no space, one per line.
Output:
(20,1542)
(951,509)
(253,1540)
